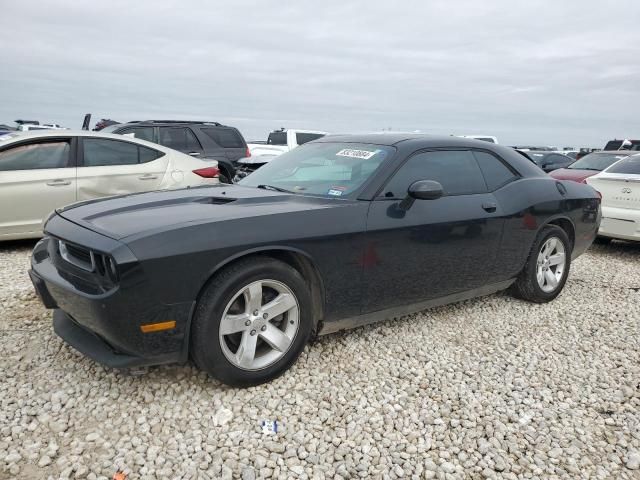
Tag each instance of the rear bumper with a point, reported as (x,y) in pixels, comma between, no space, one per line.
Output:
(621,223)
(106,325)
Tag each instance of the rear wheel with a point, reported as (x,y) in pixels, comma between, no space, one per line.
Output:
(547,267)
(252,322)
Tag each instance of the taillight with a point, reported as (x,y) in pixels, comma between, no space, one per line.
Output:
(248,154)
(208,172)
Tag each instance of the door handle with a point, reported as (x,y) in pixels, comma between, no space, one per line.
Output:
(59,182)
(148,176)
(489,206)
(194,154)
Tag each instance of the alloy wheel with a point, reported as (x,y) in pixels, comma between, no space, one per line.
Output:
(550,264)
(259,324)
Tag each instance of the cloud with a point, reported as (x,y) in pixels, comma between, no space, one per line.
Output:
(541,72)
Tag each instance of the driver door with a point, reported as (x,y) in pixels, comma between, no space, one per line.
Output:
(435,247)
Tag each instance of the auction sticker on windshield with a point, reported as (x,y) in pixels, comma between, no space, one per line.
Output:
(363,154)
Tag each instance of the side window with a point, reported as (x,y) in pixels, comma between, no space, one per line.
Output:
(456,170)
(35,156)
(496,174)
(148,154)
(302,138)
(225,137)
(180,138)
(559,159)
(143,133)
(102,152)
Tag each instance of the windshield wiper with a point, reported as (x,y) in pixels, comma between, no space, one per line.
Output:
(275,189)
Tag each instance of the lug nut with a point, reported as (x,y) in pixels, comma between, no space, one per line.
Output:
(263,328)
(265,315)
(255,313)
(253,332)
(247,323)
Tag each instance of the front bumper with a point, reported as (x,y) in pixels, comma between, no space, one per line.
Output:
(105,323)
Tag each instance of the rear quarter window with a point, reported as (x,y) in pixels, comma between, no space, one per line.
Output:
(302,138)
(496,173)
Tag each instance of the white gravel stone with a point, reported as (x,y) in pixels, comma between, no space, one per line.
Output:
(492,387)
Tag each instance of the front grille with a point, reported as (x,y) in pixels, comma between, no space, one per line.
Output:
(78,256)
(101,264)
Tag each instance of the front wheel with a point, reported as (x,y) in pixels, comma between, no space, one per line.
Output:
(252,322)
(547,267)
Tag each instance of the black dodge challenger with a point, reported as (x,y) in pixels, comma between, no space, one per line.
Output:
(337,233)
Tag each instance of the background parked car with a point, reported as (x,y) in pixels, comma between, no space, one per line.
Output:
(283,140)
(206,140)
(45,170)
(104,123)
(619,186)
(623,144)
(246,166)
(549,161)
(588,166)
(4,129)
(484,138)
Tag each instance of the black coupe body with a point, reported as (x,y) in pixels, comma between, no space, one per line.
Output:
(340,232)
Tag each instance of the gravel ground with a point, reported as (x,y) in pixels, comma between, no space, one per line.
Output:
(492,387)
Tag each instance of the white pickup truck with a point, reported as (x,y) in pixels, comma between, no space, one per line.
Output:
(278,142)
(283,140)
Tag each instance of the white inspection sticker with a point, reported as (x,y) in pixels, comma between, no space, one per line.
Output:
(349,152)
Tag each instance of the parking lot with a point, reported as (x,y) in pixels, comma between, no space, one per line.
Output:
(492,387)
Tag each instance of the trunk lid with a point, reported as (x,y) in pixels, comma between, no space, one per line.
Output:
(617,189)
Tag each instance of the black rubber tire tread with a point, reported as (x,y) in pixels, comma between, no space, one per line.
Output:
(602,240)
(205,349)
(526,286)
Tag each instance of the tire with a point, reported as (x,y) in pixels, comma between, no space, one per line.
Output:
(528,286)
(223,176)
(602,240)
(227,305)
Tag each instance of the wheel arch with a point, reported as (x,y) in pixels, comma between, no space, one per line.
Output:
(565,224)
(295,258)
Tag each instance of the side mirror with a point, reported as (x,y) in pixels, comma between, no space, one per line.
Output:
(426,190)
(421,190)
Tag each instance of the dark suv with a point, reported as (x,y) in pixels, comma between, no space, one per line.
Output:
(198,139)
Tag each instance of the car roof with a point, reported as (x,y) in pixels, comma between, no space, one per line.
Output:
(393,138)
(616,152)
(174,123)
(13,137)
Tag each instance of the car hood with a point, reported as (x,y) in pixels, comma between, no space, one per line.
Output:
(148,213)
(575,175)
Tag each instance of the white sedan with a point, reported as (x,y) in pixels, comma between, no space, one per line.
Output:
(619,186)
(45,170)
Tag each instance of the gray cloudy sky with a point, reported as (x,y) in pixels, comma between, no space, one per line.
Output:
(544,72)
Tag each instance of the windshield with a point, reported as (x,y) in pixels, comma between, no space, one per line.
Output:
(630,165)
(327,169)
(596,161)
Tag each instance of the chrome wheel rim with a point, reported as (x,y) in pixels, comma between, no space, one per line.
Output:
(259,324)
(551,264)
